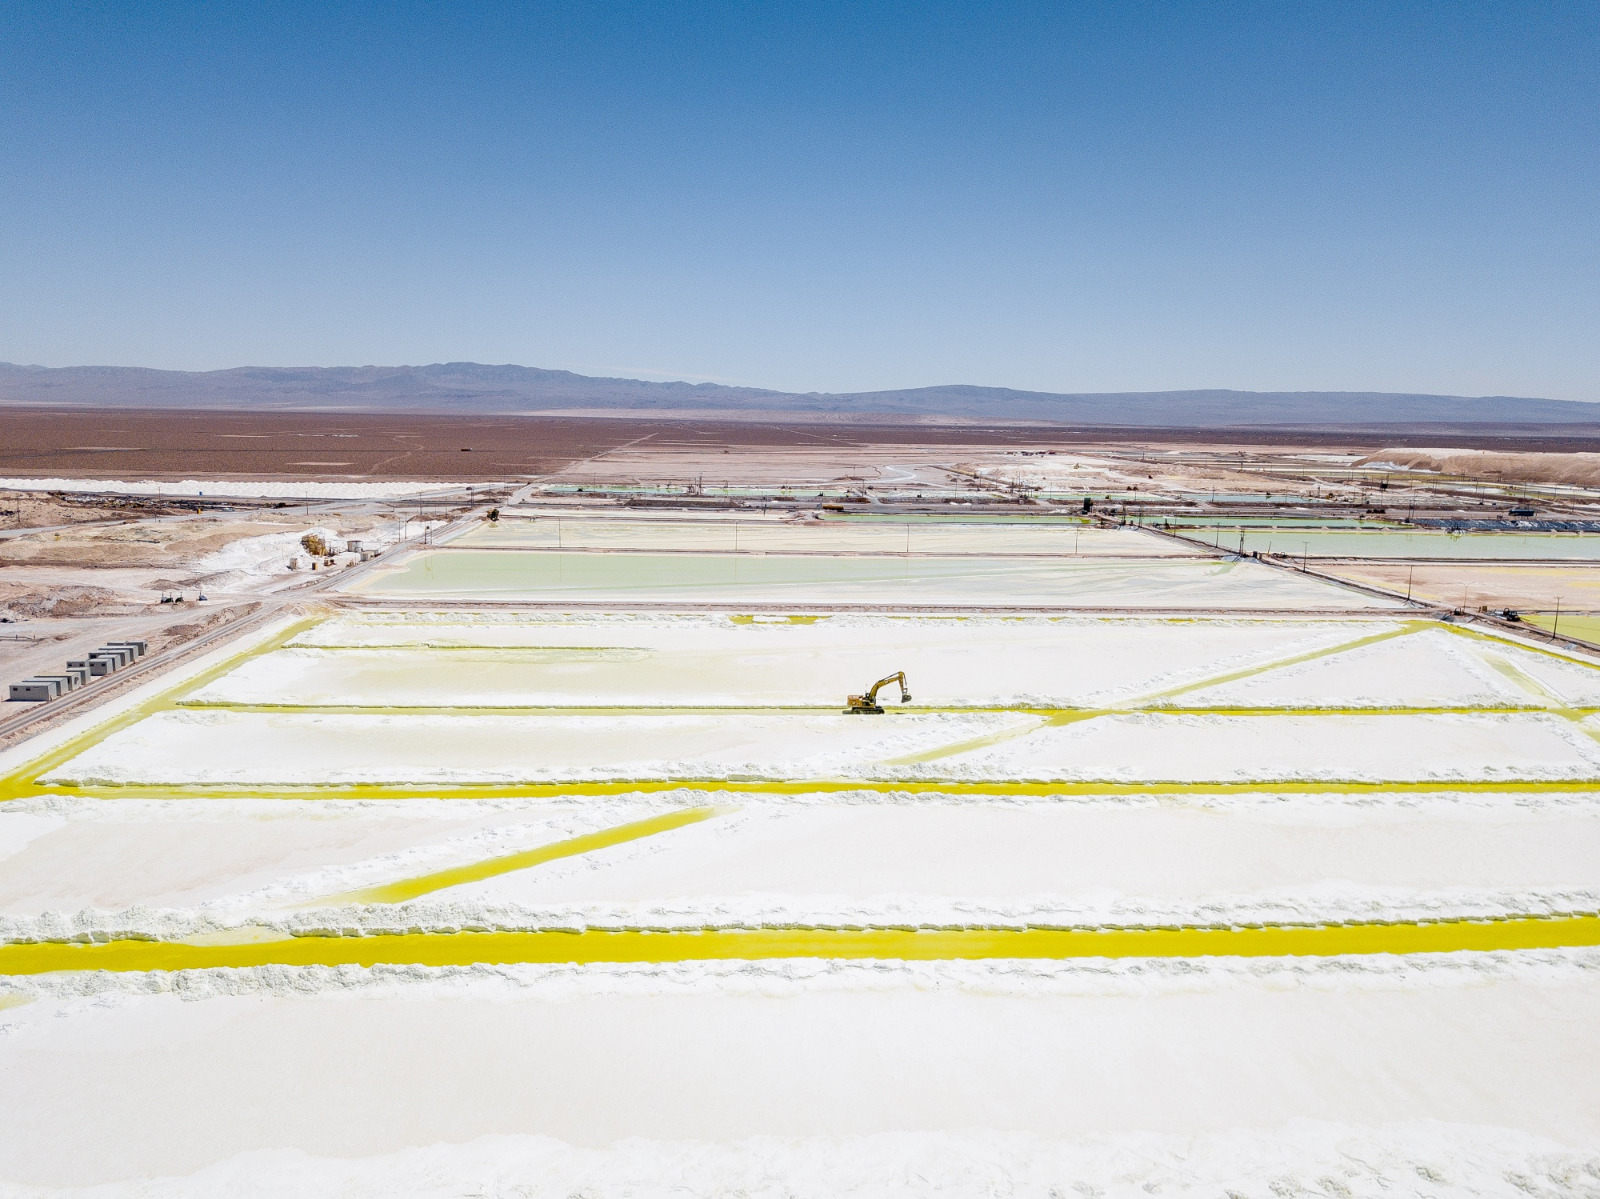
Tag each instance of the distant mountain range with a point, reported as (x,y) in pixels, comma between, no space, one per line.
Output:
(470,387)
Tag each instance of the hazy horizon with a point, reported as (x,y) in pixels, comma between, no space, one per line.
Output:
(466,387)
(693,382)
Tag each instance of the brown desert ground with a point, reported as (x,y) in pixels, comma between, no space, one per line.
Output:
(1572,469)
(1471,586)
(37,443)
(134,543)
(156,444)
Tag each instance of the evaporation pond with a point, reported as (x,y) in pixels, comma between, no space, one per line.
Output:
(758,578)
(712,660)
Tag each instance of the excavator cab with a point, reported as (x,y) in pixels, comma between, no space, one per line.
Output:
(867,705)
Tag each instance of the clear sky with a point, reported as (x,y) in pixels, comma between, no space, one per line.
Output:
(1061,196)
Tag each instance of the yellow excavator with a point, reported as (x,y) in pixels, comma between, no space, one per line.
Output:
(867,705)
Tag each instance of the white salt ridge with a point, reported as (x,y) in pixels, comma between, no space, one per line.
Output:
(229,808)
(1311,808)
(276,489)
(566,982)
(1326,905)
(1421,1159)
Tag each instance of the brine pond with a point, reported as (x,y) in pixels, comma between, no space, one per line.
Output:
(995,582)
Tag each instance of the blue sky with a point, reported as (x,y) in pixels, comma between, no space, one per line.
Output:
(1066,197)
